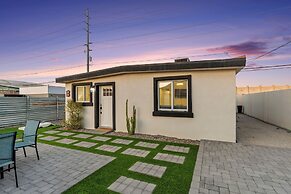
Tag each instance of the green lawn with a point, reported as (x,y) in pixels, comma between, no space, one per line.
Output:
(176,179)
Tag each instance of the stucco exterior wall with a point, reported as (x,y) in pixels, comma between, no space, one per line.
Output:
(213,104)
(272,107)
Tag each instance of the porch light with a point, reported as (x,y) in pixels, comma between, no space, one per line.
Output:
(92,89)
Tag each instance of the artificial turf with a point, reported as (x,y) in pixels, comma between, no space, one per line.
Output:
(176,179)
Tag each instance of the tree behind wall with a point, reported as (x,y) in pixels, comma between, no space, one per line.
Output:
(74,110)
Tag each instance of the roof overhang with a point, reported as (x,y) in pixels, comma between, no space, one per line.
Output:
(222,64)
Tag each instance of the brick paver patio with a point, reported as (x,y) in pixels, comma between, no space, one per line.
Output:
(237,168)
(51,132)
(136,152)
(147,145)
(148,169)
(177,149)
(170,158)
(57,170)
(122,141)
(126,185)
(85,144)
(66,134)
(49,138)
(83,136)
(66,141)
(108,148)
(99,138)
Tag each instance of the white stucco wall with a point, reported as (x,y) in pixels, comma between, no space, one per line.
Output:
(213,101)
(272,107)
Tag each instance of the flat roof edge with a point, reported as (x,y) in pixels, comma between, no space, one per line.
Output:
(233,63)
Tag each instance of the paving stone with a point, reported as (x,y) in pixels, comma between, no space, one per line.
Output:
(83,136)
(126,185)
(122,141)
(136,152)
(66,141)
(176,148)
(85,144)
(100,138)
(108,148)
(49,138)
(40,135)
(51,132)
(57,170)
(170,158)
(66,134)
(147,145)
(237,168)
(148,169)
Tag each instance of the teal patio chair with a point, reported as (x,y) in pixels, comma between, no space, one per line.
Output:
(7,154)
(29,138)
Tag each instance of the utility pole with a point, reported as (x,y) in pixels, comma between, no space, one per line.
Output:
(88,50)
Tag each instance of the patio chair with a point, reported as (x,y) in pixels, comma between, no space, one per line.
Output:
(7,154)
(29,138)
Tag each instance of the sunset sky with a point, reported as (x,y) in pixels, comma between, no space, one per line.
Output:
(42,40)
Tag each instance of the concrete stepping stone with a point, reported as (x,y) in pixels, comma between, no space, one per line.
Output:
(108,148)
(40,135)
(148,169)
(66,133)
(85,144)
(49,138)
(180,149)
(122,141)
(83,136)
(136,152)
(51,132)
(67,141)
(170,158)
(127,185)
(100,138)
(146,144)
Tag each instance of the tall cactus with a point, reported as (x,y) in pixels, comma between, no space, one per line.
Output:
(130,122)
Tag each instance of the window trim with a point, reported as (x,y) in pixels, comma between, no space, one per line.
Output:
(173,113)
(74,86)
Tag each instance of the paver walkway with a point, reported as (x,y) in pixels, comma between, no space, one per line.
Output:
(57,170)
(255,132)
(237,168)
(126,185)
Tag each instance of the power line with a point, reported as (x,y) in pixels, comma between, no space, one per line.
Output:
(116,62)
(271,51)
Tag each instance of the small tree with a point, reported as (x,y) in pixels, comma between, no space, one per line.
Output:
(74,110)
(130,121)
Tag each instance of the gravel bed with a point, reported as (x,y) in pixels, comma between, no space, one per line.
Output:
(156,137)
(139,136)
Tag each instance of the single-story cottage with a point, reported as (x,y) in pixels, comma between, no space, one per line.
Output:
(183,99)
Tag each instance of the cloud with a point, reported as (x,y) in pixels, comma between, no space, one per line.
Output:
(245,48)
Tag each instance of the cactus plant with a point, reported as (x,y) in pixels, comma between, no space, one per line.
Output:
(130,121)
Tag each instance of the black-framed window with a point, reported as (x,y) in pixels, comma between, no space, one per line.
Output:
(173,96)
(81,93)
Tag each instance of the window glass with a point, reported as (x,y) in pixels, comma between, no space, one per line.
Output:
(80,94)
(87,93)
(165,94)
(180,94)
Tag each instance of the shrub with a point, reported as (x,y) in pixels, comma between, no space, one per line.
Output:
(74,110)
(130,122)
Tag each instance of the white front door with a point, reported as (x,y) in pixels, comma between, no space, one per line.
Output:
(105,106)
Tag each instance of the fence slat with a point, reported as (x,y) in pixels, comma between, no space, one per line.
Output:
(16,110)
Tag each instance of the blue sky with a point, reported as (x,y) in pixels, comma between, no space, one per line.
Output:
(39,37)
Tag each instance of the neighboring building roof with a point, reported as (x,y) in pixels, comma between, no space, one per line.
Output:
(233,63)
(42,90)
(16,84)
